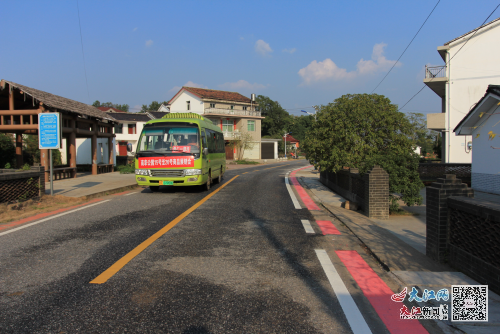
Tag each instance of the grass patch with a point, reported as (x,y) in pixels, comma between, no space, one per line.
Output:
(401,212)
(247,162)
(20,210)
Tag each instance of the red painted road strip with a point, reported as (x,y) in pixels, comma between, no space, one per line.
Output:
(327,227)
(379,294)
(43,215)
(309,203)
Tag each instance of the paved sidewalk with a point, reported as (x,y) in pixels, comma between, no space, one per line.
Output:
(399,244)
(88,185)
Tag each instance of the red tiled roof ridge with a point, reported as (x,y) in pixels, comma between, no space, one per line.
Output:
(107,108)
(217,94)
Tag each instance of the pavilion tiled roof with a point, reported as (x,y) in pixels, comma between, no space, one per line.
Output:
(213,94)
(60,102)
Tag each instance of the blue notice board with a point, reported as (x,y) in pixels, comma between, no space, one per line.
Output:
(49,130)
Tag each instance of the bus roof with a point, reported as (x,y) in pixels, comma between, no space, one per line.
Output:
(187,117)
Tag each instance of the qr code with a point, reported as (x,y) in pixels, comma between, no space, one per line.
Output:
(469,303)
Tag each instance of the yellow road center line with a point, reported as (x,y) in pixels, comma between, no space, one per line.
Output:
(108,273)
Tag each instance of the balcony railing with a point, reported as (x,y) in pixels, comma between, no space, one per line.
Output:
(228,135)
(435,72)
(232,112)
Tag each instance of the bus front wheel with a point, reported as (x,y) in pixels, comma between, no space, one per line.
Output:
(209,182)
(154,188)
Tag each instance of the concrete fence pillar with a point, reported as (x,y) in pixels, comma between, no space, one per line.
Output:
(376,199)
(41,179)
(437,214)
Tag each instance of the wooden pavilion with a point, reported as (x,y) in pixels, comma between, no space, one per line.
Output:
(19,109)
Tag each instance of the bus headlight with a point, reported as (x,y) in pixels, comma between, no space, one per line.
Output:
(192,172)
(142,172)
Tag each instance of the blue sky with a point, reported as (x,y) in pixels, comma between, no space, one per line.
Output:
(299,53)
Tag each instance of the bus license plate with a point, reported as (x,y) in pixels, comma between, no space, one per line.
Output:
(167,183)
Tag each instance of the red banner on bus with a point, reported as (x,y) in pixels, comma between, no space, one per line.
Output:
(168,162)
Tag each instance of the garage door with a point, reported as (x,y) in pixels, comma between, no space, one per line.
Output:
(267,150)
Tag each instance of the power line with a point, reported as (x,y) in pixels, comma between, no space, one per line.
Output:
(83,54)
(448,62)
(407,46)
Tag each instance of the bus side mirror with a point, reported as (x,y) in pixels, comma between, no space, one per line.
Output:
(205,151)
(129,147)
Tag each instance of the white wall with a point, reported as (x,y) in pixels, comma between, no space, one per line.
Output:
(179,105)
(129,138)
(469,73)
(484,158)
(84,150)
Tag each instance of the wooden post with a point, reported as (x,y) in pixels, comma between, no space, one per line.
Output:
(72,147)
(94,154)
(110,150)
(11,98)
(44,161)
(19,149)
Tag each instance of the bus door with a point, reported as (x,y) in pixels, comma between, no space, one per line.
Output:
(204,157)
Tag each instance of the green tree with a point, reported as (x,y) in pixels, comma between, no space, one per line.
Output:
(277,120)
(7,150)
(422,136)
(363,130)
(300,125)
(154,106)
(122,107)
(242,143)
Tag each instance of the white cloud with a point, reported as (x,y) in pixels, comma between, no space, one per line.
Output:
(242,85)
(290,50)
(262,48)
(175,89)
(149,43)
(328,70)
(135,29)
(242,38)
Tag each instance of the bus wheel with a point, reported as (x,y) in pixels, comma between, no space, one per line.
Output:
(209,182)
(154,188)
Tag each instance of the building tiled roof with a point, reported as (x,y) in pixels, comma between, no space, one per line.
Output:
(130,117)
(157,114)
(213,94)
(290,139)
(106,109)
(472,31)
(61,103)
(492,89)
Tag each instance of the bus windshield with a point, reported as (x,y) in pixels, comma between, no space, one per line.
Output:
(171,138)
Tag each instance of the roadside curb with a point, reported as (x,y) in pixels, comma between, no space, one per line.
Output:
(111,191)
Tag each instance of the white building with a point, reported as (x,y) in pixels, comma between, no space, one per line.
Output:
(461,83)
(485,150)
(232,112)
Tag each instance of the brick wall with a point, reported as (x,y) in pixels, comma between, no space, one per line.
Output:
(370,191)
(437,214)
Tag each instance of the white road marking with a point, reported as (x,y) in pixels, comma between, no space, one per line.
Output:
(351,311)
(292,195)
(307,226)
(132,193)
(51,217)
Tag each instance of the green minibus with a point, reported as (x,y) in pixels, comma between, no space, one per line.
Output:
(180,149)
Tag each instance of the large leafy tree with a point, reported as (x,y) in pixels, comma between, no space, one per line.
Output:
(422,136)
(300,125)
(122,107)
(154,106)
(363,130)
(277,121)
(7,150)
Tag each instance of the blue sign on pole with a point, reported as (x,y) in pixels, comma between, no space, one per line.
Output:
(49,131)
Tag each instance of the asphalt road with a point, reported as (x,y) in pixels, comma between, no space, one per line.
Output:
(239,263)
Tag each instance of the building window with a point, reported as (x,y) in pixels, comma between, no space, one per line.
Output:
(118,128)
(212,105)
(251,125)
(232,107)
(132,129)
(245,108)
(188,105)
(227,125)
